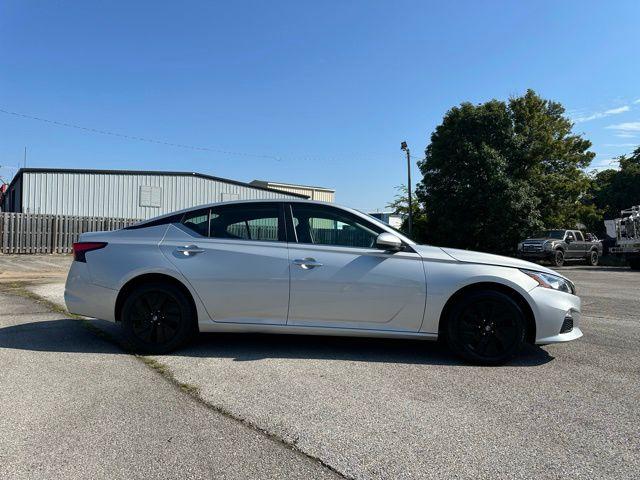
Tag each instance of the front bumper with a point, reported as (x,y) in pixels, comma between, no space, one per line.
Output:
(543,255)
(550,309)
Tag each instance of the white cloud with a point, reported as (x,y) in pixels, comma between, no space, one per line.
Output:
(626,127)
(637,101)
(619,145)
(615,111)
(603,163)
(606,113)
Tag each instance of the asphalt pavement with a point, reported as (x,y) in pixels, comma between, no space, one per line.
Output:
(381,409)
(73,405)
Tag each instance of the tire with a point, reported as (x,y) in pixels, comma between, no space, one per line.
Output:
(634,263)
(593,258)
(158,318)
(486,327)
(558,258)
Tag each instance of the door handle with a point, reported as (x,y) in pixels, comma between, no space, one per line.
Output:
(307,263)
(188,250)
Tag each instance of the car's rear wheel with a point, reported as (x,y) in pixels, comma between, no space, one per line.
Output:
(486,327)
(157,318)
(558,258)
(593,258)
(634,263)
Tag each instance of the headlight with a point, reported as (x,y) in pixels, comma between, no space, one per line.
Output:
(546,280)
(547,245)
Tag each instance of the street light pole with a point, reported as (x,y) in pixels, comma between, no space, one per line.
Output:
(404,147)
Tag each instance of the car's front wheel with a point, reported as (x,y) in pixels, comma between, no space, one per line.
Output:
(558,258)
(157,318)
(486,327)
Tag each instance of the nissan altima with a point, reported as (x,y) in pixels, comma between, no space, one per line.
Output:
(311,268)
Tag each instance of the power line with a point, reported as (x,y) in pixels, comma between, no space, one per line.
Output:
(177,145)
(137,138)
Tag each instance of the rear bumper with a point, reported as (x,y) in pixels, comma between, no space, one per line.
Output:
(82,297)
(551,307)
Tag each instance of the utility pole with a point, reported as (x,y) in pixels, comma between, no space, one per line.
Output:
(25,157)
(404,147)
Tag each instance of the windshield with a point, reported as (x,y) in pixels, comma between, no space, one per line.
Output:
(559,234)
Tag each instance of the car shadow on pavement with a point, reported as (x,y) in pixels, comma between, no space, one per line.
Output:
(63,335)
(584,268)
(96,336)
(250,347)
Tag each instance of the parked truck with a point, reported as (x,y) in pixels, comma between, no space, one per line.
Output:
(561,245)
(626,231)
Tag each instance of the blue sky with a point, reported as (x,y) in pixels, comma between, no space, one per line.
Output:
(316,92)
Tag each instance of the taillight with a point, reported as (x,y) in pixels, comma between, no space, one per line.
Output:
(81,248)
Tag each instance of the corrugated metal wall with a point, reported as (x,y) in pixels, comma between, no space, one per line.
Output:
(321,195)
(118,195)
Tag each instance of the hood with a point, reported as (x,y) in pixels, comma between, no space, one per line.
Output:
(469,256)
(537,240)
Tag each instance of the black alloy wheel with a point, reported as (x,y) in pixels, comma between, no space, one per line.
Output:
(486,327)
(157,318)
(558,258)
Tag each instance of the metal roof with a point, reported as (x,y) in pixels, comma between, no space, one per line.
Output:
(292,185)
(147,172)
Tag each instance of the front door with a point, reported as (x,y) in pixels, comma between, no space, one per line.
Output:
(340,280)
(235,257)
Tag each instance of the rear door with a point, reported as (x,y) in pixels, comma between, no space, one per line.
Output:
(235,257)
(581,245)
(340,280)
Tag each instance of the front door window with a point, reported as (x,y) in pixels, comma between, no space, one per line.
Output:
(320,225)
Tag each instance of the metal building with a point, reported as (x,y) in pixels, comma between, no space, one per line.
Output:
(314,193)
(124,193)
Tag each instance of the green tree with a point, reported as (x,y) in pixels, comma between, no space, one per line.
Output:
(495,172)
(400,205)
(614,190)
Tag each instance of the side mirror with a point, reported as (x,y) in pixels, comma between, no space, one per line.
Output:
(389,242)
(569,239)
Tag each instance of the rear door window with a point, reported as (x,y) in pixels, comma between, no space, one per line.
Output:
(262,222)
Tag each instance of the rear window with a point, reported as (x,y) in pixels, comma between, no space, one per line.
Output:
(197,221)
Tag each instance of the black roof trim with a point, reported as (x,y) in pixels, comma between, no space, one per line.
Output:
(148,172)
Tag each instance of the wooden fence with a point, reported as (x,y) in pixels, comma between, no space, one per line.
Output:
(38,233)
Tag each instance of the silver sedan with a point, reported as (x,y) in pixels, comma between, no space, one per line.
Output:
(311,268)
